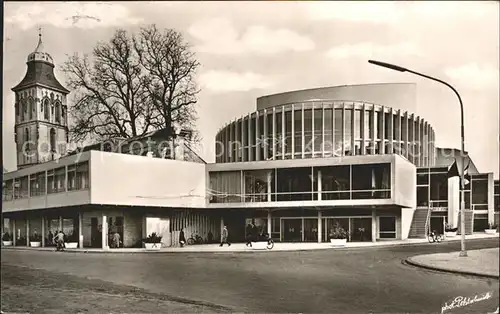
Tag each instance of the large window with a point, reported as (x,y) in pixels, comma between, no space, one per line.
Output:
(371,181)
(37,184)
(422,196)
(439,189)
(256,185)
(480,222)
(288,135)
(60,179)
(308,133)
(260,140)
(270,140)
(298,133)
(387,227)
(335,182)
(479,191)
(348,132)
(328,131)
(245,140)
(279,134)
(23,188)
(294,184)
(358,126)
(225,187)
(318,131)
(7,190)
(338,132)
(82,176)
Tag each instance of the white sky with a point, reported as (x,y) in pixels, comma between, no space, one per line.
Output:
(251,49)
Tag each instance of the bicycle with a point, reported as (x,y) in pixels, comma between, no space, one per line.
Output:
(270,244)
(195,239)
(434,237)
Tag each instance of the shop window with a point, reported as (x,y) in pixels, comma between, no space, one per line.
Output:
(480,223)
(82,176)
(387,227)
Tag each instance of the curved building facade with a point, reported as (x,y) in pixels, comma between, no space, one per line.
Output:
(326,128)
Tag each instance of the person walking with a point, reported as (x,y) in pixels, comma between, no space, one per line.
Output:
(224,238)
(182,238)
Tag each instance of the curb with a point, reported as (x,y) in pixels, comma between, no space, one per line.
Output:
(451,271)
(372,247)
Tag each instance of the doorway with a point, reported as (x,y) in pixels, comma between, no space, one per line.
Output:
(437,224)
(95,233)
(361,229)
(292,230)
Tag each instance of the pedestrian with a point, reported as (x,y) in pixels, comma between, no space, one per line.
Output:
(59,240)
(249,231)
(182,238)
(210,237)
(116,240)
(224,238)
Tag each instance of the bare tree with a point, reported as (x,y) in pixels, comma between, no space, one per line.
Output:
(132,85)
(170,82)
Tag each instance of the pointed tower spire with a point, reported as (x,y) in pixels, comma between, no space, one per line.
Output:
(39,47)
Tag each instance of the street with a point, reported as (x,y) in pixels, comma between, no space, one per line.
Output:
(329,281)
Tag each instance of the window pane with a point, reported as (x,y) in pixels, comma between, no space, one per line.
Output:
(358,126)
(479,192)
(298,132)
(245,140)
(294,184)
(422,178)
(308,132)
(288,133)
(422,196)
(328,143)
(251,144)
(256,185)
(334,180)
(269,139)
(367,125)
(348,132)
(387,224)
(439,187)
(279,135)
(318,129)
(338,132)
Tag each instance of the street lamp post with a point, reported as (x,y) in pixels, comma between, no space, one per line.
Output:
(463,252)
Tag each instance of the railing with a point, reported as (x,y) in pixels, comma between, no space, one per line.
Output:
(301,196)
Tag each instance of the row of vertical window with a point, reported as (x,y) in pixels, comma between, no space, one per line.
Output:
(26,110)
(322,131)
(432,189)
(347,182)
(48,182)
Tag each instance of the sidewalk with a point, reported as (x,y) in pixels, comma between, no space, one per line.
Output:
(278,246)
(482,263)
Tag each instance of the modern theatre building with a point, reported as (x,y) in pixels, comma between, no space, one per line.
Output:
(355,156)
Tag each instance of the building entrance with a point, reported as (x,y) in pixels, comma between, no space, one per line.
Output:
(361,229)
(292,230)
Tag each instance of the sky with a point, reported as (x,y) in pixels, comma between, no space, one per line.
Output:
(252,49)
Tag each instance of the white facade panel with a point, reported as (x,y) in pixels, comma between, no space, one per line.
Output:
(119,179)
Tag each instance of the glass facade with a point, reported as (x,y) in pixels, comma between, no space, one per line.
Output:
(317,129)
(348,182)
(48,182)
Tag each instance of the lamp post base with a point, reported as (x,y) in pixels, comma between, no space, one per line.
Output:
(463,254)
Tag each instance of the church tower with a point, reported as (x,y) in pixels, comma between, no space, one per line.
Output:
(41,121)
